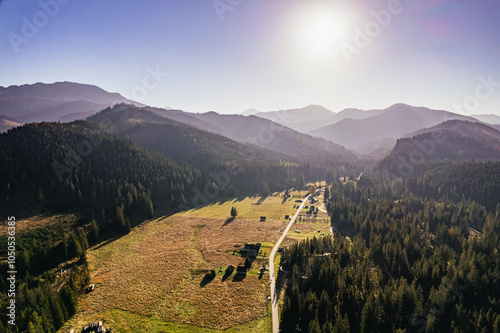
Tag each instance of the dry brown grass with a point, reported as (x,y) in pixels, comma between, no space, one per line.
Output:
(36,222)
(156,271)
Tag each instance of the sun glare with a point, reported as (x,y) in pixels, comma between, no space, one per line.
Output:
(322,28)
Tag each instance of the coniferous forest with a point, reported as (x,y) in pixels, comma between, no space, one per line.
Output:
(400,259)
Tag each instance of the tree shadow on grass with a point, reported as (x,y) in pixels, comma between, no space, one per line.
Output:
(239,277)
(261,200)
(209,277)
(229,220)
(226,276)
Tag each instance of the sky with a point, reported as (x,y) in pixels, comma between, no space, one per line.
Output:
(232,55)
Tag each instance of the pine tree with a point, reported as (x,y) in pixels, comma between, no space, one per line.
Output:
(74,246)
(326,195)
(94,232)
(314,326)
(31,328)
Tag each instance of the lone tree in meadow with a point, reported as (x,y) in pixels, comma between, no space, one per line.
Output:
(234,212)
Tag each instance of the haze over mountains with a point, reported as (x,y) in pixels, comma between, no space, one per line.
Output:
(60,101)
(383,129)
(312,117)
(174,132)
(309,131)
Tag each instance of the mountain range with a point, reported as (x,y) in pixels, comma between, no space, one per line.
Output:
(174,131)
(60,101)
(384,128)
(303,133)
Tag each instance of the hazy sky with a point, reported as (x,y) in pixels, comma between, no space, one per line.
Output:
(232,55)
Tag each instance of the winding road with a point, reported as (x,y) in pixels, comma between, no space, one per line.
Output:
(274,296)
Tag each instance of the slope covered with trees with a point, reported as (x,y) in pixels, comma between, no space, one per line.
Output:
(410,264)
(109,183)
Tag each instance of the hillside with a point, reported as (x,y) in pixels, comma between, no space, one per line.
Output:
(76,167)
(478,131)
(382,130)
(177,140)
(7,122)
(60,101)
(271,135)
(247,165)
(451,141)
(261,132)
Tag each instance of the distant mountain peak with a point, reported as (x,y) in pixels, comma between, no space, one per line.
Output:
(58,101)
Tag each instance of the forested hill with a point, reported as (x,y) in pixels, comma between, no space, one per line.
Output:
(248,131)
(451,141)
(182,142)
(106,183)
(78,166)
(248,164)
(65,167)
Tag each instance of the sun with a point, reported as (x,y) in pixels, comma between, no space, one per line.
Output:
(322,28)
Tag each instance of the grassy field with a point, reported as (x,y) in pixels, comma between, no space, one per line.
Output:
(39,221)
(152,280)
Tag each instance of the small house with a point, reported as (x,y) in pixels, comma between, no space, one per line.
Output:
(250,250)
(263,219)
(91,288)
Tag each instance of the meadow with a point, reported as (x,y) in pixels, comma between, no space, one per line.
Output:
(152,279)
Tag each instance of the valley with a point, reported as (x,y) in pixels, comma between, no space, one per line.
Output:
(153,278)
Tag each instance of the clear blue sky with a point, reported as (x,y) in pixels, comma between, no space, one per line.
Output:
(263,54)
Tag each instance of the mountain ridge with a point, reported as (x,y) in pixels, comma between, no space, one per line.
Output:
(387,126)
(58,101)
